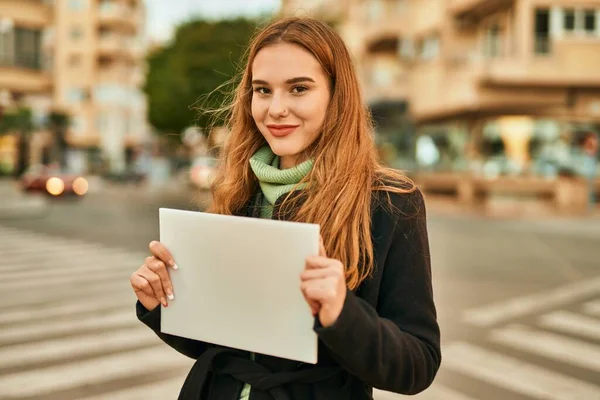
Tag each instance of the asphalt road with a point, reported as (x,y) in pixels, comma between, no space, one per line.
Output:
(518,303)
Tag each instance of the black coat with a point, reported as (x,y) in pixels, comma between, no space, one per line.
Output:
(386,336)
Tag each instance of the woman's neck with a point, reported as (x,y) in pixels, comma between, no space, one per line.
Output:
(287,162)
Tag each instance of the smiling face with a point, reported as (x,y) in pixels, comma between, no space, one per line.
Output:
(289,101)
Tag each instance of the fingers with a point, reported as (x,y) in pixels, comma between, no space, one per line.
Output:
(322,251)
(159,268)
(140,284)
(160,251)
(156,284)
(151,282)
(322,262)
(315,306)
(320,291)
(317,273)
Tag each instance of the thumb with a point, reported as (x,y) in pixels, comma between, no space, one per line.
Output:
(322,251)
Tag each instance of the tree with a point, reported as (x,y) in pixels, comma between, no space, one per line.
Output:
(20,123)
(203,56)
(58,124)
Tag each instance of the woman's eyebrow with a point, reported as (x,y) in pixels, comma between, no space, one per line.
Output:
(289,81)
(300,79)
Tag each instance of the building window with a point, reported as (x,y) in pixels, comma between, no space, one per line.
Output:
(28,48)
(77,5)
(382,77)
(375,10)
(106,5)
(589,21)
(542,41)
(429,48)
(492,45)
(102,122)
(6,47)
(78,124)
(76,32)
(569,20)
(75,95)
(407,49)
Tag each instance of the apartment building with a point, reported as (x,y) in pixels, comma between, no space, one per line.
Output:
(523,71)
(493,88)
(84,58)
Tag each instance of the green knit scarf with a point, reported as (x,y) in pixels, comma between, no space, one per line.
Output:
(273,181)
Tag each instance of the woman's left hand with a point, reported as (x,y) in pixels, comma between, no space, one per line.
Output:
(324,286)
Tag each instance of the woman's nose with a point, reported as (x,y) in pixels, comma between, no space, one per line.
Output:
(277,108)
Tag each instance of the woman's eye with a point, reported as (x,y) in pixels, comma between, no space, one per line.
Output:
(299,89)
(261,90)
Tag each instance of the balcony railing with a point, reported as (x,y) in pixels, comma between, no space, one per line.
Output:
(35,61)
(476,8)
(542,45)
(118,14)
(120,46)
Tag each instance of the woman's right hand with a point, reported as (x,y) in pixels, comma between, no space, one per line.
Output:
(151,282)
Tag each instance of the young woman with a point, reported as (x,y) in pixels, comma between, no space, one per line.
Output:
(301,148)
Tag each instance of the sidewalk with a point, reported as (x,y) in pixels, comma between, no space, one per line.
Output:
(14,203)
(581,226)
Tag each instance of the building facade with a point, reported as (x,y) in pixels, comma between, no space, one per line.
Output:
(83,58)
(494,88)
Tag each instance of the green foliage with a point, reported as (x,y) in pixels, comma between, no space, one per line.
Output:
(58,121)
(16,121)
(203,56)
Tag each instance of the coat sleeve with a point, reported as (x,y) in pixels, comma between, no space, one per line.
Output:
(395,347)
(188,347)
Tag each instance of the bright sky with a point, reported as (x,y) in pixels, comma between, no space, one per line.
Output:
(165,15)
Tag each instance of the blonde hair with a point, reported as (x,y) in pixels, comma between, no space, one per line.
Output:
(346,167)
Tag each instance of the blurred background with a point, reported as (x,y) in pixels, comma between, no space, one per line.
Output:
(491,106)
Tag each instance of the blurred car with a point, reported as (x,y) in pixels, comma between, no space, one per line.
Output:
(53,182)
(201,172)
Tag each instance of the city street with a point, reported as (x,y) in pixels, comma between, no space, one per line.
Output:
(518,304)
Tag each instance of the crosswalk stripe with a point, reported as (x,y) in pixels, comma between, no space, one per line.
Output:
(40,331)
(62,270)
(88,372)
(91,305)
(49,248)
(436,391)
(515,375)
(41,296)
(549,345)
(520,306)
(167,390)
(17,244)
(5,237)
(65,247)
(592,308)
(569,322)
(55,281)
(59,349)
(35,261)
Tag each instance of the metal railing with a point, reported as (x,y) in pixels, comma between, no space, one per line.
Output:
(542,44)
(35,61)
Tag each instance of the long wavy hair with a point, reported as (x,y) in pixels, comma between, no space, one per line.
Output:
(346,167)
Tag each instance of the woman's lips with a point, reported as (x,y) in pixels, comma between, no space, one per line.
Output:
(281,130)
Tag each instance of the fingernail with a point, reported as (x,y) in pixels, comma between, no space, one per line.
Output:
(171,296)
(175,266)
(164,302)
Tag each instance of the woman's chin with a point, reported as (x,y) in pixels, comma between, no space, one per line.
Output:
(284,149)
